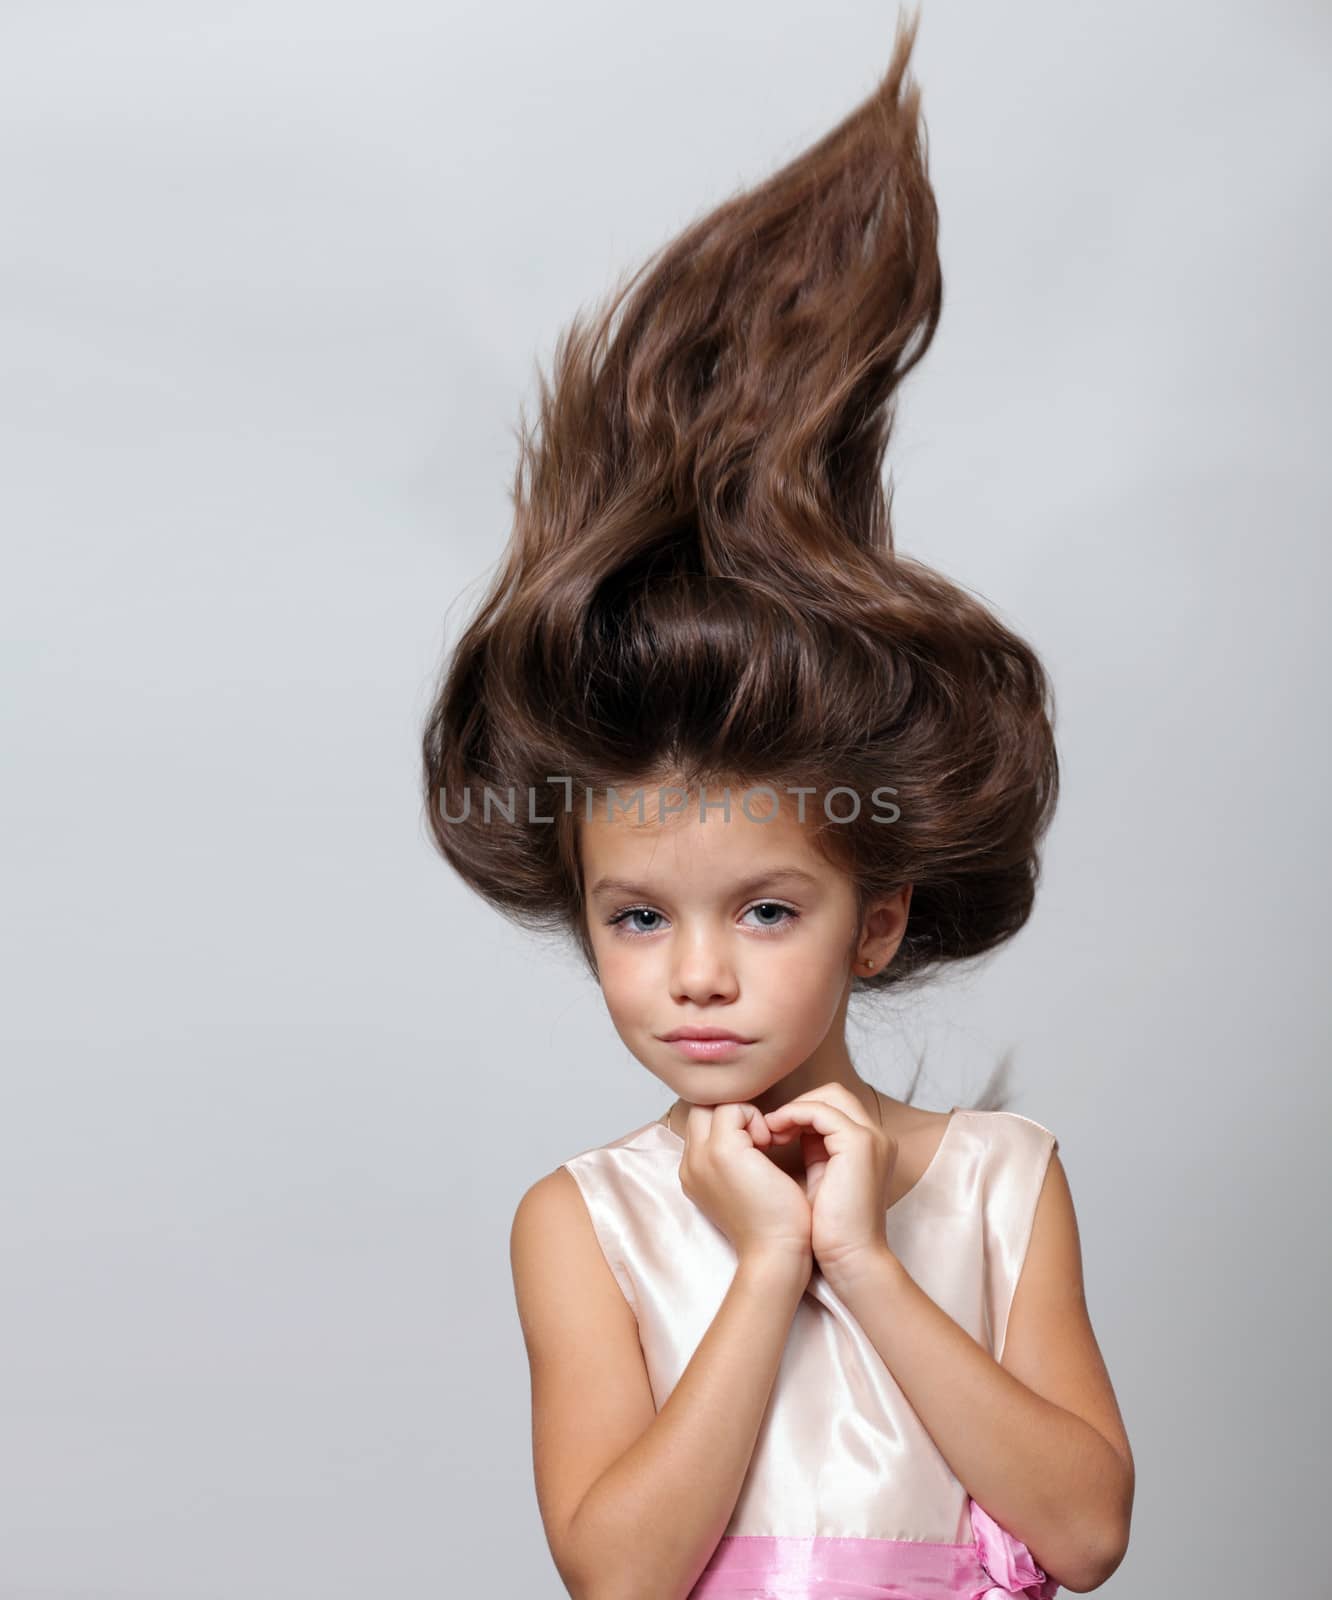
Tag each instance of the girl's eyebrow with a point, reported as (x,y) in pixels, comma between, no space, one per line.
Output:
(759,881)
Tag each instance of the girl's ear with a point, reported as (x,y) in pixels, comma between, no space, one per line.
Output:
(884,926)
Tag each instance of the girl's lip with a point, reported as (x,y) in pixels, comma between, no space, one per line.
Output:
(708,1049)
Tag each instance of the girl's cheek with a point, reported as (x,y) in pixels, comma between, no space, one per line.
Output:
(626,979)
(804,978)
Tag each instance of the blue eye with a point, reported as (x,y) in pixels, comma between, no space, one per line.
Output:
(772,905)
(634,911)
(634,930)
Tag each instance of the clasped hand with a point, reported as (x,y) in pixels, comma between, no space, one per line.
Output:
(837,1219)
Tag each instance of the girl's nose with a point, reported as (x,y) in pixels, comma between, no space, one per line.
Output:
(702,971)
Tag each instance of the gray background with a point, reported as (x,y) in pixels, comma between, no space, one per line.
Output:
(275,277)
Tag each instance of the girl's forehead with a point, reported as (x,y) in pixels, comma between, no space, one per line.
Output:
(708,846)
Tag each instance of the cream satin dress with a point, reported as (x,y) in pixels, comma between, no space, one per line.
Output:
(846,1496)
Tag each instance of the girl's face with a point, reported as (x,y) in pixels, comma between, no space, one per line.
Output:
(729,924)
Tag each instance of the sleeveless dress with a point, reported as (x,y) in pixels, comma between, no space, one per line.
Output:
(846,1496)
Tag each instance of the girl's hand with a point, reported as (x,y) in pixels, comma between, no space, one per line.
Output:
(760,1209)
(848,1165)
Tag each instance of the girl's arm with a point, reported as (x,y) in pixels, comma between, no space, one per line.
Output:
(634,1500)
(647,1526)
(1036,1440)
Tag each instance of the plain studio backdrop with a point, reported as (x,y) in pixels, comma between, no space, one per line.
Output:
(275,280)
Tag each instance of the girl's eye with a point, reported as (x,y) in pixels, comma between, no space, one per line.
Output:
(633,911)
(772,905)
(634,929)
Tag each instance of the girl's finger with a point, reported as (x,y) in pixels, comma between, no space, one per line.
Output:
(698,1119)
(751,1122)
(838,1095)
(816,1114)
(734,1116)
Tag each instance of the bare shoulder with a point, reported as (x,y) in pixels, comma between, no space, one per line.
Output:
(552,1237)
(545,1201)
(591,1394)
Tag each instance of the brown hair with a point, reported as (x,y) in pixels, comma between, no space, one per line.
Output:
(702,582)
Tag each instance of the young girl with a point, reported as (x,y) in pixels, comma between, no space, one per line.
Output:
(794,1337)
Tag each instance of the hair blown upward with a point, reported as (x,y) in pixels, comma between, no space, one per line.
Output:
(702,583)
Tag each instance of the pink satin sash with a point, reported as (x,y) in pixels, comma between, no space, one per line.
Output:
(757,1567)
